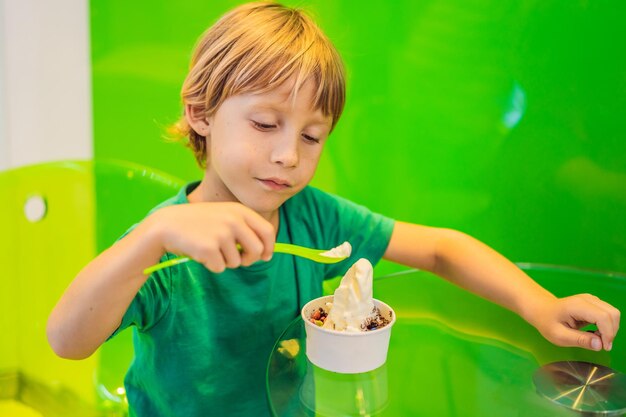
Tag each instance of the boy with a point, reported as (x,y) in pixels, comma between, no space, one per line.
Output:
(264,91)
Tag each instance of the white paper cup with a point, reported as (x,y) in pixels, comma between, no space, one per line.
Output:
(346,352)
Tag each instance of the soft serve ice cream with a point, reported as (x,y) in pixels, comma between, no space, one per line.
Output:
(353,308)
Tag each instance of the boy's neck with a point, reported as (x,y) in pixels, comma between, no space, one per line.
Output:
(203,194)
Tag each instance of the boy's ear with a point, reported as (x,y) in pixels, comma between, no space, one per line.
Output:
(197,120)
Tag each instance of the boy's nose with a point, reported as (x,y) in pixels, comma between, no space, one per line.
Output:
(286,152)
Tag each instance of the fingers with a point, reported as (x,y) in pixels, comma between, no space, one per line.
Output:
(245,238)
(212,258)
(265,233)
(590,309)
(252,248)
(568,337)
(613,313)
(230,253)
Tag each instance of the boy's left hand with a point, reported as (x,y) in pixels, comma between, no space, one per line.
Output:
(560,319)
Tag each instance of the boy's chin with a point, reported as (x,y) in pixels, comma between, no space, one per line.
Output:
(266,205)
(265,202)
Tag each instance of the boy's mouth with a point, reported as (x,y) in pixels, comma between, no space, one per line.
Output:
(274,183)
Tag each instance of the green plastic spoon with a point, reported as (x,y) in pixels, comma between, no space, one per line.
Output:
(317,255)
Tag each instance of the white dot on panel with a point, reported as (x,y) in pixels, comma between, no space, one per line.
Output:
(35,208)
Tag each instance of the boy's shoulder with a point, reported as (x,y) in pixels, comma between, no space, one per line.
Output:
(179,198)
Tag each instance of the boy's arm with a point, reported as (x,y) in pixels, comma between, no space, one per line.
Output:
(94,304)
(481,270)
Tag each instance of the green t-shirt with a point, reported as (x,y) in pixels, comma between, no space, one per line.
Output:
(202,340)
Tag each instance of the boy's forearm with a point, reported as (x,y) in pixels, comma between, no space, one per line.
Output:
(478,268)
(93,305)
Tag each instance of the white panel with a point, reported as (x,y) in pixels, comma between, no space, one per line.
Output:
(4,144)
(47,80)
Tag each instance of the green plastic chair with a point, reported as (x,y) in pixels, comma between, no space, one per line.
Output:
(55,218)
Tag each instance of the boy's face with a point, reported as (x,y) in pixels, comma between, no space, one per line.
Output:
(264,148)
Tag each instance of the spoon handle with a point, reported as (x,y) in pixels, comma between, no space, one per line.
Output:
(312,254)
(166,264)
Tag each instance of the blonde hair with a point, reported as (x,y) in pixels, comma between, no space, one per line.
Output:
(255,48)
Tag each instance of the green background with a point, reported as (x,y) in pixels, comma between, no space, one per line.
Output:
(503,119)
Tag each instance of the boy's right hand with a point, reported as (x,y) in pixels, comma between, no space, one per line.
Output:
(209,233)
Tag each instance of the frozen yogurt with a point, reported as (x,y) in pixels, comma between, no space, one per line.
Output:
(353,308)
(342,251)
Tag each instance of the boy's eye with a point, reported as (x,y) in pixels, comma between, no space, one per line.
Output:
(268,126)
(263,126)
(310,139)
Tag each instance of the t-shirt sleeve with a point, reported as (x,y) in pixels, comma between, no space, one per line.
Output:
(342,220)
(151,301)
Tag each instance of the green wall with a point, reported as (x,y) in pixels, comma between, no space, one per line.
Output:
(499,118)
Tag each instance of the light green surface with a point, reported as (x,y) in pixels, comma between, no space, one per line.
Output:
(451,354)
(41,258)
(499,118)
(15,409)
